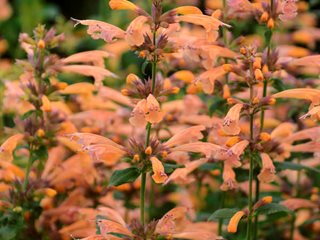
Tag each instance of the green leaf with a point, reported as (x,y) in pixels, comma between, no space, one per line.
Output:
(278,84)
(272,208)
(280,166)
(209,166)
(27,114)
(224,213)
(127,175)
(168,167)
(120,235)
(144,67)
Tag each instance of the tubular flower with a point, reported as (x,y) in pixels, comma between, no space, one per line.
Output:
(210,24)
(97,73)
(229,177)
(99,148)
(136,31)
(207,79)
(231,121)
(180,175)
(159,175)
(267,173)
(101,30)
(187,135)
(146,110)
(7,148)
(234,221)
(96,57)
(288,10)
(312,95)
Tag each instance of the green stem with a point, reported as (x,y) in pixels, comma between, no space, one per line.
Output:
(293,220)
(148,130)
(29,164)
(222,196)
(256,218)
(250,202)
(142,197)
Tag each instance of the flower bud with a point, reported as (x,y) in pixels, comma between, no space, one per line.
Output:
(125,92)
(258,75)
(243,50)
(270,23)
(49,192)
(265,137)
(265,68)
(232,141)
(41,44)
(227,67)
(131,78)
(148,151)
(234,221)
(257,63)
(40,133)
(264,17)
(136,158)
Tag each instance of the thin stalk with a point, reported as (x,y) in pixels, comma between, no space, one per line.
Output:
(256,218)
(293,220)
(221,202)
(250,200)
(298,181)
(142,196)
(29,165)
(148,130)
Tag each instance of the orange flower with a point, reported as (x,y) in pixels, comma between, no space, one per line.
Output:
(180,175)
(101,30)
(159,175)
(97,73)
(96,57)
(146,110)
(187,135)
(208,78)
(122,5)
(231,121)
(172,222)
(185,10)
(310,94)
(137,30)
(210,23)
(267,173)
(229,177)
(297,203)
(234,221)
(7,148)
(46,105)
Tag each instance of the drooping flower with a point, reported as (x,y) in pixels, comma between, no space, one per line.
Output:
(267,173)
(231,121)
(159,175)
(229,177)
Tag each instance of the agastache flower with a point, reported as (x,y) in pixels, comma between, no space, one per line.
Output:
(159,175)
(288,10)
(231,121)
(267,173)
(7,148)
(146,110)
(312,95)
